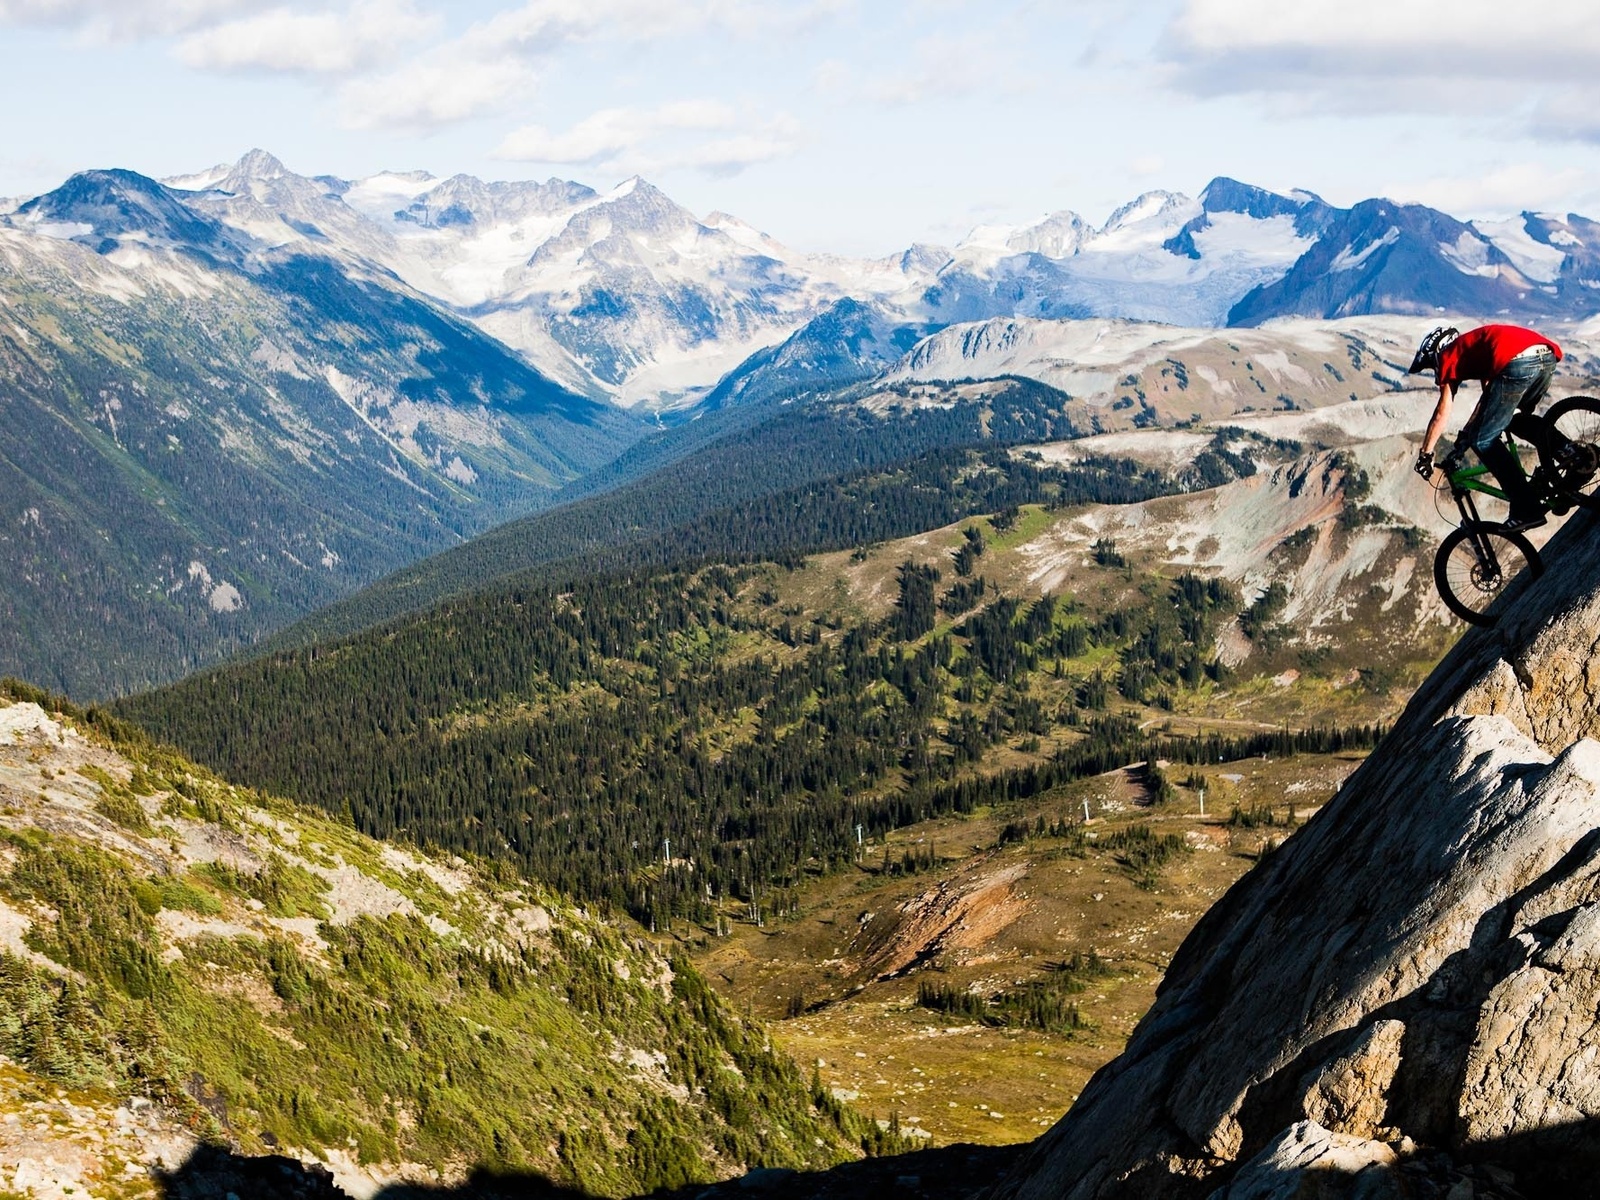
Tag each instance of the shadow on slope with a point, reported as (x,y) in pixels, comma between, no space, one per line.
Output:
(1555,1161)
(947,1173)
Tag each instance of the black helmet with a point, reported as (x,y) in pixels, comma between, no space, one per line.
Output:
(1427,358)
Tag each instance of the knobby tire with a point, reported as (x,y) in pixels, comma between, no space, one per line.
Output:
(1577,418)
(1466,583)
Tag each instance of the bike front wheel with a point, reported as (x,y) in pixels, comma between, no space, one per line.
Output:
(1476,563)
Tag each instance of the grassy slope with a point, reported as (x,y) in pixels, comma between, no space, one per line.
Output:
(269,977)
(952,1076)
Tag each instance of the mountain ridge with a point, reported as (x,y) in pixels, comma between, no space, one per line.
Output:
(625,295)
(206,437)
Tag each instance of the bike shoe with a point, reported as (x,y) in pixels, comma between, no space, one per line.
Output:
(1517,522)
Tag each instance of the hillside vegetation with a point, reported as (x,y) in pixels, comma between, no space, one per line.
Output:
(693,743)
(272,979)
(768,481)
(198,455)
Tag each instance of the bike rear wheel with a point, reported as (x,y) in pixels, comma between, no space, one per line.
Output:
(1577,420)
(1476,563)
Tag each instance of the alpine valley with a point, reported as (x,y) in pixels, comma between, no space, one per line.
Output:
(234,397)
(591,702)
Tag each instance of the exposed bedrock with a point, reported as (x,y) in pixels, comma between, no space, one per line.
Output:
(1405,999)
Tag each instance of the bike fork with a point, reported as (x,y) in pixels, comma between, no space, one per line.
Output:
(1482,544)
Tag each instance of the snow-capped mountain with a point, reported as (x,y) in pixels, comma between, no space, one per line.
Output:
(623,294)
(1161,257)
(626,296)
(108,210)
(1379,256)
(206,435)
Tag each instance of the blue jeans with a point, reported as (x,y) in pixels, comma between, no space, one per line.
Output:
(1520,386)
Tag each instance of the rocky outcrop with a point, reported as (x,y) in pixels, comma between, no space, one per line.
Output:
(1407,996)
(959,914)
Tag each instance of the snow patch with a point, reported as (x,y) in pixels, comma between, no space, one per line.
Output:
(1539,262)
(62,231)
(1350,258)
(1469,254)
(225,598)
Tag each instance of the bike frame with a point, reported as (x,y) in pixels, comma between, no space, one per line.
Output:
(1469,479)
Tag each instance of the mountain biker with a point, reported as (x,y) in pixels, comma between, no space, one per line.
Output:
(1515,366)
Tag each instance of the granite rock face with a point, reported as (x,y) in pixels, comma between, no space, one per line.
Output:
(1407,996)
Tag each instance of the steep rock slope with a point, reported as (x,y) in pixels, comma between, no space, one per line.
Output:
(1408,989)
(184,960)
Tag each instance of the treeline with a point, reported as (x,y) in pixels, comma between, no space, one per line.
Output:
(1116,741)
(868,506)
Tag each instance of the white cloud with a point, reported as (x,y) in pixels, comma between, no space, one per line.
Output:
(540,27)
(1503,189)
(430,93)
(608,134)
(322,43)
(120,20)
(942,67)
(359,45)
(494,63)
(1530,67)
(1437,38)
(654,140)
(832,77)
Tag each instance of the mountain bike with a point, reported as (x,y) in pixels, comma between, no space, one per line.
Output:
(1479,558)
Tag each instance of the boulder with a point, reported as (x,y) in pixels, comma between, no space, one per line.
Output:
(1308,1162)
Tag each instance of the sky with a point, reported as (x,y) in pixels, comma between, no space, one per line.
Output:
(856,126)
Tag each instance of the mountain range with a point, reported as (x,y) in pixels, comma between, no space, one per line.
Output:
(826,551)
(626,295)
(237,396)
(203,438)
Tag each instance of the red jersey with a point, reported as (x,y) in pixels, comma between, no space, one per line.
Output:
(1484,352)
